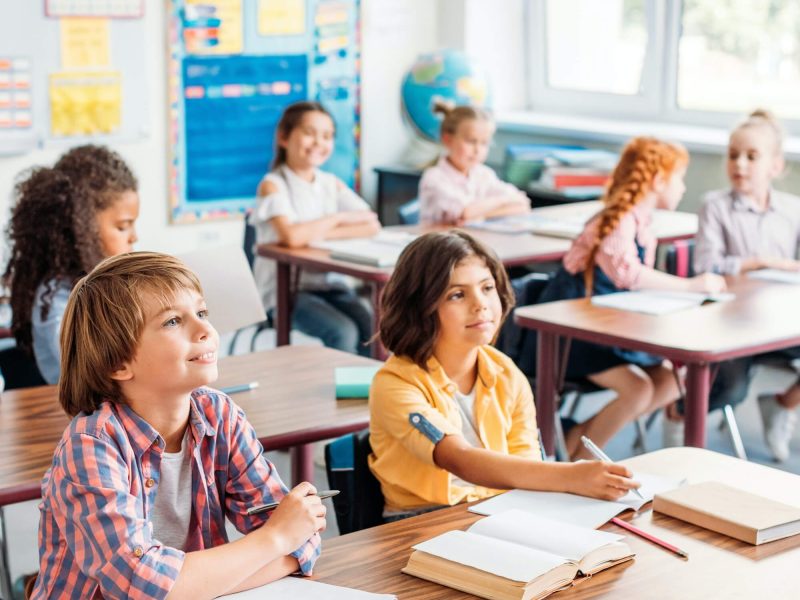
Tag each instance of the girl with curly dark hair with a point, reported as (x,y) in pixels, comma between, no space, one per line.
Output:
(65,220)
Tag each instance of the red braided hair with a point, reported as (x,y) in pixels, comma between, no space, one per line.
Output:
(642,160)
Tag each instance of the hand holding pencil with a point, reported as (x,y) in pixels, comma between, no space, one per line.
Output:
(298,516)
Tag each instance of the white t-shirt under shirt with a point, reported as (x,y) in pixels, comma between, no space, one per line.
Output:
(466,406)
(298,200)
(172,508)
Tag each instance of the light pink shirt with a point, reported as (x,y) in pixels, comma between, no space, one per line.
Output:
(617,255)
(444,191)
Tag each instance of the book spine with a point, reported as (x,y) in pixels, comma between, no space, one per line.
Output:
(705,520)
(575,180)
(352,390)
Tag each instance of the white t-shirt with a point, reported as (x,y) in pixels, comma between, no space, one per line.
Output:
(299,201)
(172,509)
(466,406)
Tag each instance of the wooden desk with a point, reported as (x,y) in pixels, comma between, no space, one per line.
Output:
(718,566)
(293,406)
(762,318)
(513,250)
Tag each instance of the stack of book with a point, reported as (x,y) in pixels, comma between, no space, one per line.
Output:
(578,173)
(524,163)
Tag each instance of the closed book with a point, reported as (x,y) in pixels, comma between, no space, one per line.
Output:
(731,511)
(354,382)
(515,555)
(570,177)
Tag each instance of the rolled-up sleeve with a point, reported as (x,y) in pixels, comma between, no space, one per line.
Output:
(103,523)
(618,257)
(253,480)
(406,415)
(710,252)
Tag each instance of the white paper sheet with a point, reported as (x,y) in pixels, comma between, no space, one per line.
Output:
(298,588)
(653,302)
(577,510)
(775,275)
(557,537)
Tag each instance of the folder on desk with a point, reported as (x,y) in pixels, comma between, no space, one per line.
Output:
(354,382)
(731,511)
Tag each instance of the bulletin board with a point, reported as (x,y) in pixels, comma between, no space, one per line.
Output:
(233,66)
(68,75)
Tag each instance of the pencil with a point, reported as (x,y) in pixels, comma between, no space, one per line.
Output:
(649,537)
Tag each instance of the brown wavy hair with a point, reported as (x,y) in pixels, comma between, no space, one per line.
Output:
(643,159)
(409,321)
(52,231)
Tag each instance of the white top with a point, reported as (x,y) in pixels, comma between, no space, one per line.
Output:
(444,191)
(298,200)
(172,508)
(466,406)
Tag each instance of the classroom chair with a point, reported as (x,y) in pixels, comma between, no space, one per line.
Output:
(360,502)
(679,260)
(19,370)
(408,212)
(249,244)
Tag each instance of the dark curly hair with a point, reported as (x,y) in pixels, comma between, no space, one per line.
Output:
(53,227)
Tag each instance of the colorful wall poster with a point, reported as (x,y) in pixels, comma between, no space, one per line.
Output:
(15,94)
(281,17)
(85,103)
(84,43)
(114,9)
(213,26)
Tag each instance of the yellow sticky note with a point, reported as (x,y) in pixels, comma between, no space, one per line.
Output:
(84,43)
(281,17)
(85,103)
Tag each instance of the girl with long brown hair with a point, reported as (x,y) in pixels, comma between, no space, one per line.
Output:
(615,252)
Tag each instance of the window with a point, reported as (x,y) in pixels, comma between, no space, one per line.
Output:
(692,61)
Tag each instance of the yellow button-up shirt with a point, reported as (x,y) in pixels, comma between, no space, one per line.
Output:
(412,409)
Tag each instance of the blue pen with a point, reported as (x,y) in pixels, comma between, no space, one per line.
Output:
(235,389)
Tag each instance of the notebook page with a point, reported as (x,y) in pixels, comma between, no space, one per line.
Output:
(512,561)
(775,275)
(557,537)
(645,302)
(300,588)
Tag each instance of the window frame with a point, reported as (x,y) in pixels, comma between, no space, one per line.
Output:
(657,100)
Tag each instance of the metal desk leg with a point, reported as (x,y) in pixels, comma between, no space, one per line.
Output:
(698,385)
(283,306)
(546,357)
(302,457)
(5,567)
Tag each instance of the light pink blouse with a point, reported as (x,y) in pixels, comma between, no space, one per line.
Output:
(444,191)
(617,256)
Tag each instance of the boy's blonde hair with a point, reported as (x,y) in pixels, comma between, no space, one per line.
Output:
(761,117)
(455,115)
(104,319)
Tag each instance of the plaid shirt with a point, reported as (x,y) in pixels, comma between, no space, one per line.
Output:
(95,535)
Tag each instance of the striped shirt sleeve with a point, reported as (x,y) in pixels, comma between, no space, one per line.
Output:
(103,524)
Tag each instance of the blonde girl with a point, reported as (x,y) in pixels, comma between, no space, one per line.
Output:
(459,187)
(616,251)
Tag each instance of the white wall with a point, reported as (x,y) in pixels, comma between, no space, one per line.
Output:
(394,32)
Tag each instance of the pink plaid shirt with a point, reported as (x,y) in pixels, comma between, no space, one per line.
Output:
(95,535)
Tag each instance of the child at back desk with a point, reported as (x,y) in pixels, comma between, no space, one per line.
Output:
(752,226)
(460,187)
(66,220)
(616,251)
(153,462)
(452,419)
(299,204)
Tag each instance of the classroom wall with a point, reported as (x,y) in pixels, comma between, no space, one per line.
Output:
(393,33)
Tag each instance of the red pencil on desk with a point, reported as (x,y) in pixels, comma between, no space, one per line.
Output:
(649,537)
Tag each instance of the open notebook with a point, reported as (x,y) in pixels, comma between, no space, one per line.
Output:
(571,508)
(656,302)
(381,250)
(532,223)
(515,555)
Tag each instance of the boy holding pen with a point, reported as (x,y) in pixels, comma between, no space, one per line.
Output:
(153,462)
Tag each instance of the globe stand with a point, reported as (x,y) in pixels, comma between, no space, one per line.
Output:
(420,153)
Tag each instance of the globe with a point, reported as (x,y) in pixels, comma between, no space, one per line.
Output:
(447,74)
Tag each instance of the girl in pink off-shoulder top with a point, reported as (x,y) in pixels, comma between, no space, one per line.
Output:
(616,251)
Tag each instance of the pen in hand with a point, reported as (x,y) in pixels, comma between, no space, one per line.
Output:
(600,455)
(273,505)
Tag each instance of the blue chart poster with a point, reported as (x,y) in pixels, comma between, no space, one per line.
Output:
(234,66)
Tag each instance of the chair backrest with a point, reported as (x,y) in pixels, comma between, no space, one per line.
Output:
(360,502)
(19,370)
(408,212)
(513,340)
(679,258)
(249,240)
